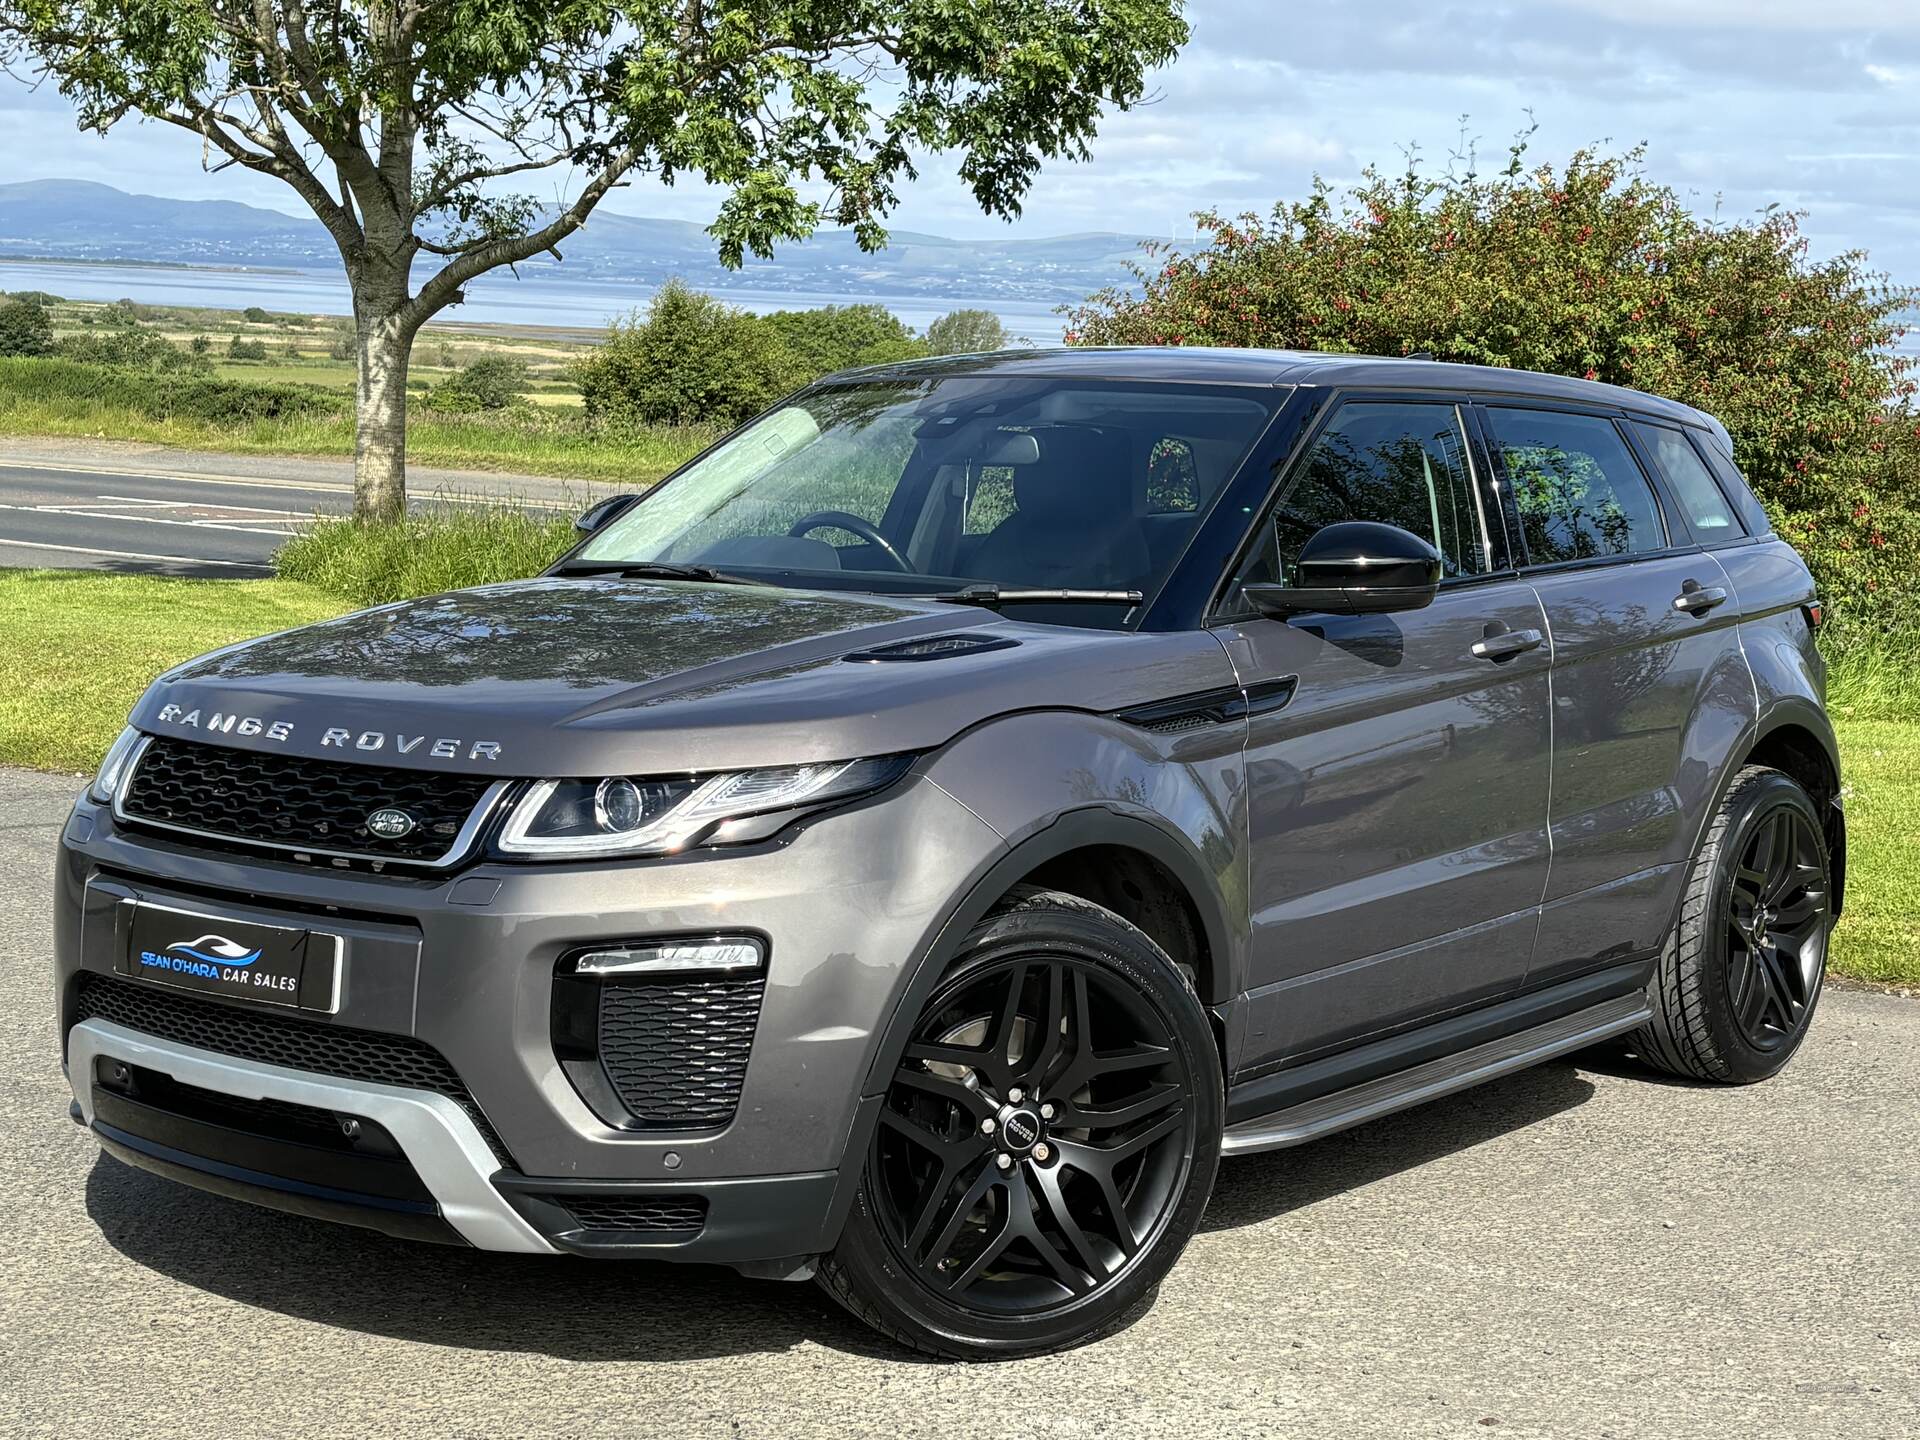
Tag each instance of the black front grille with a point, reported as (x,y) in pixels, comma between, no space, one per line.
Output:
(292,801)
(274,1039)
(676,1053)
(635,1212)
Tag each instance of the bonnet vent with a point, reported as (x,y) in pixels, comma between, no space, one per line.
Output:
(932,647)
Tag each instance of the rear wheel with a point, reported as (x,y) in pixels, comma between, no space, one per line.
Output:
(1047,1143)
(1742,971)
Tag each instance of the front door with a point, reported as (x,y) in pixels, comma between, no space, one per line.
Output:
(1397,802)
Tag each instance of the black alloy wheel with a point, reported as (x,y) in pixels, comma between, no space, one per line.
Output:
(1777,928)
(1045,1145)
(1741,973)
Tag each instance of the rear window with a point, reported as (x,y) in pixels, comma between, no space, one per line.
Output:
(1745,503)
(1578,489)
(1709,514)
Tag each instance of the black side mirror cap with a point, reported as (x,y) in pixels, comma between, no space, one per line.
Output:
(595,516)
(1355,567)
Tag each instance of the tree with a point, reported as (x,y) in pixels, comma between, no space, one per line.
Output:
(404,124)
(25,329)
(689,359)
(1590,269)
(838,337)
(967,332)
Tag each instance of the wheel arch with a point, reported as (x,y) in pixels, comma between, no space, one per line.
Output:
(1795,737)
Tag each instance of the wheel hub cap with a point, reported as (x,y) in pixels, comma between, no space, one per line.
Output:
(1020,1129)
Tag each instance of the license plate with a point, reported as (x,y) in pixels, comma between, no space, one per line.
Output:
(269,964)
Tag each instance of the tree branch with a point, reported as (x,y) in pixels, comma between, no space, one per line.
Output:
(444,287)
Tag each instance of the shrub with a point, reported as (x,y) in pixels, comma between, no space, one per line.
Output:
(167,396)
(129,349)
(492,382)
(33,297)
(447,548)
(25,329)
(838,337)
(239,349)
(687,360)
(967,332)
(1592,270)
(254,315)
(343,348)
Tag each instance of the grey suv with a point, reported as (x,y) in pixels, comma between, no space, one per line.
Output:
(914,842)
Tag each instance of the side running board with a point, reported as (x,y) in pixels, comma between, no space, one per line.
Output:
(1311,1119)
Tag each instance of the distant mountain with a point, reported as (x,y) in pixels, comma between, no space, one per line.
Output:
(77,219)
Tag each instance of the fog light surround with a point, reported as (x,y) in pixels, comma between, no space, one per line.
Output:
(713,955)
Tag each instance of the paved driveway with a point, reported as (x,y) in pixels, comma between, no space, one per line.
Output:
(1579,1251)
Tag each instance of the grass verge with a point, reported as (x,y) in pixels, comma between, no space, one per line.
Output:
(442,549)
(79,648)
(64,397)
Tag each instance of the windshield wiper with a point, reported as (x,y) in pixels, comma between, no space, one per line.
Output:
(992,596)
(657,570)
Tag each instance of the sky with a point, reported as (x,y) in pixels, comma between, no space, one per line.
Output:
(1812,104)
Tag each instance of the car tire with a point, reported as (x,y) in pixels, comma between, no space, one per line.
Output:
(1741,972)
(1026,1235)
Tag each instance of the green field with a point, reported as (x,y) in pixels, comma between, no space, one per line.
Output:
(73,667)
(545,435)
(39,397)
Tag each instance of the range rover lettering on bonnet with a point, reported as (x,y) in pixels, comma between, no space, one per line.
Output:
(334,736)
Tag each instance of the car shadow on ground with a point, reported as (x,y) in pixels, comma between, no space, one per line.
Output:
(649,1310)
(1256,1188)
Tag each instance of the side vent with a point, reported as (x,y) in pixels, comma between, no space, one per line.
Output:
(1210,707)
(931,647)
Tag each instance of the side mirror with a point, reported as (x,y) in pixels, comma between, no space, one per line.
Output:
(595,516)
(1357,567)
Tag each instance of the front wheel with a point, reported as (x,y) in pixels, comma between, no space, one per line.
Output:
(1741,972)
(1046,1146)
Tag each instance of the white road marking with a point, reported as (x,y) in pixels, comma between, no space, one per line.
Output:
(87,514)
(7,542)
(587,491)
(191,504)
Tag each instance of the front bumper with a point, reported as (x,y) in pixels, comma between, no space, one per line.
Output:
(466,963)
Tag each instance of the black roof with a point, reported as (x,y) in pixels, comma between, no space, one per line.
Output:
(1219,366)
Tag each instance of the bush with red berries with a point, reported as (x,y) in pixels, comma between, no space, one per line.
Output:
(1592,270)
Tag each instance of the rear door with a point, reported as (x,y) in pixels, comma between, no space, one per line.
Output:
(1396,774)
(1649,684)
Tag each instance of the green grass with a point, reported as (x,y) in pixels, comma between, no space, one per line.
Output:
(1879,934)
(79,648)
(59,397)
(441,549)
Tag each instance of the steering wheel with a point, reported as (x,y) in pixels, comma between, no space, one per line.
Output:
(853,525)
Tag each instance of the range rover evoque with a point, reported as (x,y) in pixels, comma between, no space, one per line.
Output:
(914,842)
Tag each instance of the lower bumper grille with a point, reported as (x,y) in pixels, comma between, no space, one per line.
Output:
(656,1214)
(399,1060)
(676,1053)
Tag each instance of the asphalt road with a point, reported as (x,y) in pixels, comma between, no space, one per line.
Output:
(141,509)
(1581,1251)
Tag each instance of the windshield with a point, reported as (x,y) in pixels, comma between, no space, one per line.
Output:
(921,486)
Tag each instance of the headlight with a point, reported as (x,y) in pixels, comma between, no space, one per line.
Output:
(106,784)
(637,815)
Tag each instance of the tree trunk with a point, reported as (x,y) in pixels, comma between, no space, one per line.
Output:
(380,417)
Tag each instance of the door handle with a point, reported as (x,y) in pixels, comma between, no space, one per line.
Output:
(1696,599)
(1507,644)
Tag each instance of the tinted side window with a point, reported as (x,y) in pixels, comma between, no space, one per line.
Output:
(1691,484)
(1402,463)
(1744,501)
(1579,492)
